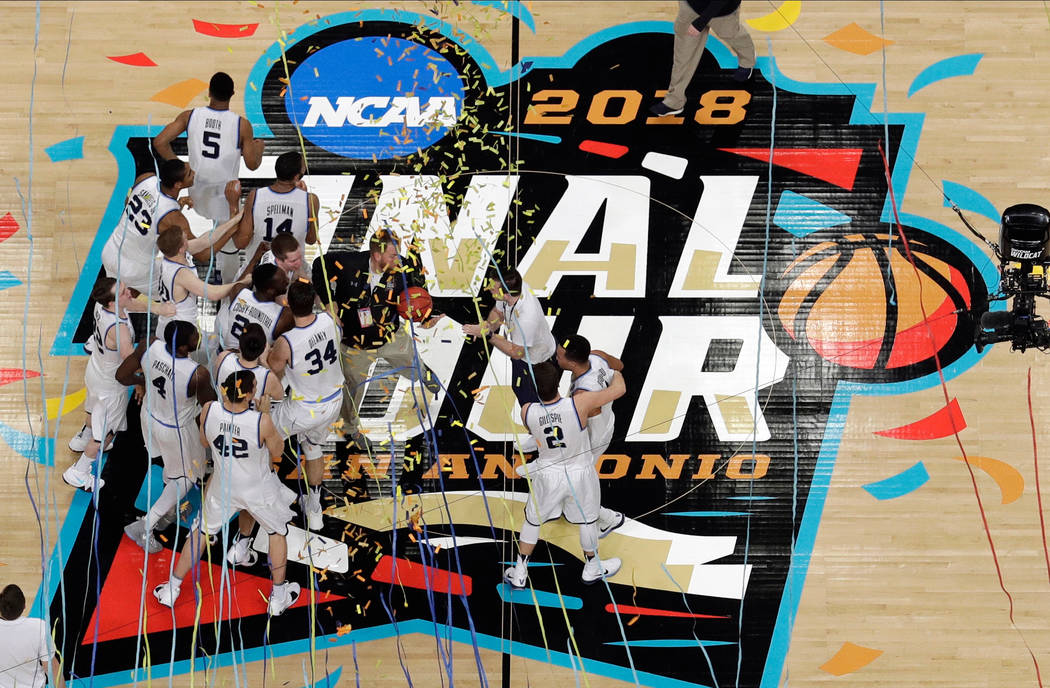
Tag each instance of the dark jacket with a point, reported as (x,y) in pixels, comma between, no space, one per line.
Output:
(709,9)
(347,282)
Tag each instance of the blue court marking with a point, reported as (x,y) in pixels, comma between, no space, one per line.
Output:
(755,498)
(154,483)
(534,564)
(960,65)
(38,449)
(328,681)
(535,137)
(861,114)
(968,199)
(515,8)
(706,514)
(908,480)
(543,598)
(672,642)
(8,280)
(801,215)
(70,149)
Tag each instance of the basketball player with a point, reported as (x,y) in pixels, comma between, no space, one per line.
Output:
(179,283)
(563,481)
(308,359)
(284,207)
(592,371)
(106,404)
(216,140)
(256,306)
(173,387)
(287,254)
(150,209)
(244,440)
(248,356)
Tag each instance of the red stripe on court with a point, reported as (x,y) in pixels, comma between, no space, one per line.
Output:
(224,30)
(649,611)
(420,576)
(8,226)
(8,375)
(947,421)
(836,166)
(136,60)
(609,150)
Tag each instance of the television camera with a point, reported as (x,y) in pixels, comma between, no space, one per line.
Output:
(1024,236)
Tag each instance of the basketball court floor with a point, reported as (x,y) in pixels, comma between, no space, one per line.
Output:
(824,481)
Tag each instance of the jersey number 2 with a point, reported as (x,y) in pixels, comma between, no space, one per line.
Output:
(555,437)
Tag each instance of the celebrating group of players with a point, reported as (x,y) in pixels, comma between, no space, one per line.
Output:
(304,339)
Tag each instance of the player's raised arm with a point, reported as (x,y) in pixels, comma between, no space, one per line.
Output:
(589,401)
(129,372)
(251,147)
(614,363)
(162,141)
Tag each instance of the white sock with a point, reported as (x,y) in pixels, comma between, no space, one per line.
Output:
(84,463)
(174,490)
(175,581)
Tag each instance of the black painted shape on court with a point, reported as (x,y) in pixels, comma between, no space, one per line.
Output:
(796,409)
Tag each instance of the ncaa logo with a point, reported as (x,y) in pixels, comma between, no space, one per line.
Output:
(374,97)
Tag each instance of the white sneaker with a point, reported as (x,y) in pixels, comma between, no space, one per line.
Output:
(312,511)
(79,441)
(136,530)
(241,553)
(81,481)
(517,576)
(594,571)
(166,593)
(282,597)
(617,521)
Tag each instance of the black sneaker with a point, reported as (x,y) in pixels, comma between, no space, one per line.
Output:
(661,110)
(743,73)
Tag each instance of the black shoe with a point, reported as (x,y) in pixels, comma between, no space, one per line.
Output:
(661,110)
(743,73)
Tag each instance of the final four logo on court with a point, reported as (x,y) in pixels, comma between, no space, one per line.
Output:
(744,327)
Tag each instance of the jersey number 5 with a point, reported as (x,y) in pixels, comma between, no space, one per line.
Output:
(210,144)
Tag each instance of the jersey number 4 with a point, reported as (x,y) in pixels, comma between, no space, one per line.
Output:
(555,437)
(237,448)
(158,382)
(285,226)
(315,357)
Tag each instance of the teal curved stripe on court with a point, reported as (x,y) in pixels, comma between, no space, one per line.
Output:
(543,598)
(70,149)
(38,449)
(903,483)
(534,137)
(511,7)
(968,199)
(8,280)
(960,65)
(328,681)
(672,642)
(801,215)
(706,514)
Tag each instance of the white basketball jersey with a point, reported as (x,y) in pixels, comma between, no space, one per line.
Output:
(561,437)
(314,370)
(104,361)
(232,364)
(135,237)
(247,309)
(213,140)
(167,386)
(599,377)
(186,309)
(241,458)
(274,213)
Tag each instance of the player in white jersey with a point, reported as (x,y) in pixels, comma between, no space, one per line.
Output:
(284,207)
(248,356)
(244,441)
(216,141)
(172,387)
(307,357)
(106,404)
(562,479)
(287,254)
(179,283)
(258,305)
(592,371)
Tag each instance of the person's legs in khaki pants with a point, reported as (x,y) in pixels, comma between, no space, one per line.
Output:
(730,30)
(398,352)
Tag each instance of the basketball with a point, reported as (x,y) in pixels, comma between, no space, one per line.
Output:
(857,301)
(415,304)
